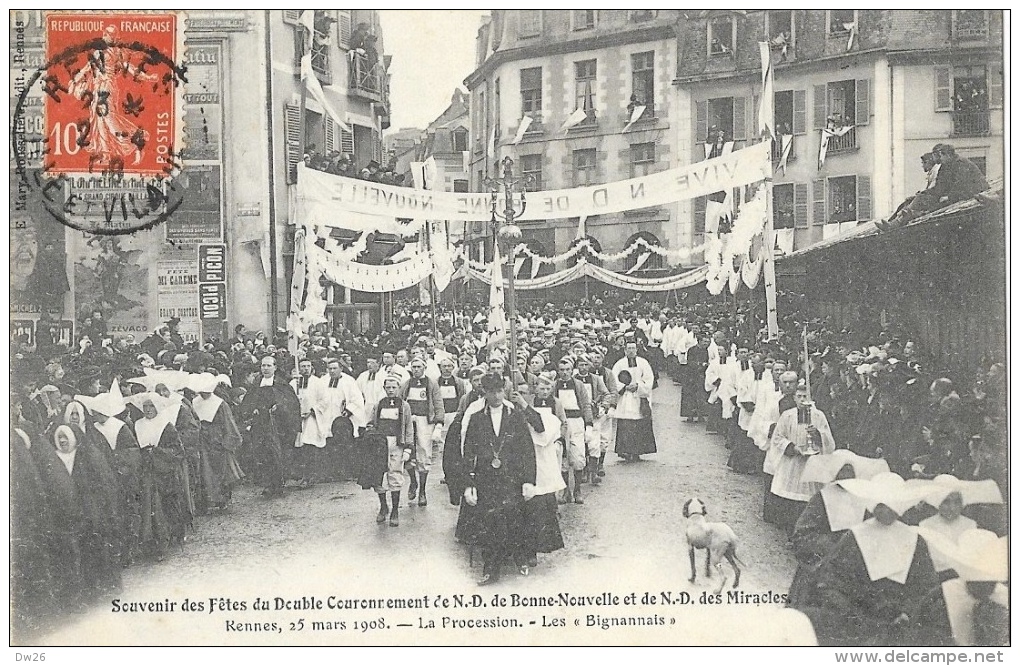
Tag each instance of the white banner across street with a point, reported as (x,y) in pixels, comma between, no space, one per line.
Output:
(322,197)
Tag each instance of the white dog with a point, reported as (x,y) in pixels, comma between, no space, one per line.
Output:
(717,538)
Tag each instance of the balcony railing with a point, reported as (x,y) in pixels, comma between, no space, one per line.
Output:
(843,143)
(971,123)
(366,80)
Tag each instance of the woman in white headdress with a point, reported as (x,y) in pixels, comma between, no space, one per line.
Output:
(977,598)
(219,442)
(879,586)
(164,507)
(828,515)
(117,442)
(87,528)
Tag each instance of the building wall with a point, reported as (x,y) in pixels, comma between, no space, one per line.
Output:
(556,51)
(897,52)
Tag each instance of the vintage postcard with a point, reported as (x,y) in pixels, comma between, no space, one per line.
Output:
(532,327)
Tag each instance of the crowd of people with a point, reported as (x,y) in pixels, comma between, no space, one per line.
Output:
(342,164)
(858,445)
(120,446)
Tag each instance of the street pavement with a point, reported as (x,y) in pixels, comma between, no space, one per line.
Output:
(323,542)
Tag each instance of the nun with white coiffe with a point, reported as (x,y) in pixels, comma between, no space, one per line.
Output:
(879,586)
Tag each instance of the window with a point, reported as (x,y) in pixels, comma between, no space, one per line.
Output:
(460,186)
(530,22)
(582,19)
(722,114)
(700,204)
(460,140)
(791,111)
(781,36)
(970,101)
(640,15)
(970,24)
(841,21)
(782,206)
(531,90)
(585,75)
(842,199)
(584,167)
(642,159)
(721,36)
(531,166)
(790,206)
(841,104)
(642,66)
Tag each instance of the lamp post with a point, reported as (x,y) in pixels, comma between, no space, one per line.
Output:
(508,233)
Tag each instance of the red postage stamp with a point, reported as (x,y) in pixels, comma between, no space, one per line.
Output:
(111,89)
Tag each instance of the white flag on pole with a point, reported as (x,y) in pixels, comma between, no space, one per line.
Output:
(573,119)
(581,230)
(522,129)
(312,83)
(766,110)
(635,115)
(641,260)
(497,317)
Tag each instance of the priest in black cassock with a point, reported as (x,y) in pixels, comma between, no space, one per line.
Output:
(271,415)
(500,454)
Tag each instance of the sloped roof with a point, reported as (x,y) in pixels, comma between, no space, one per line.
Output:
(868,229)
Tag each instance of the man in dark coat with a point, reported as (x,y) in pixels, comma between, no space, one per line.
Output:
(499,451)
(271,414)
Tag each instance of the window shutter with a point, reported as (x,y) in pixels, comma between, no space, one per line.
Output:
(700,204)
(292,132)
(862,113)
(343,28)
(800,205)
(330,135)
(819,216)
(346,142)
(821,107)
(943,88)
(292,16)
(799,111)
(864,198)
(700,122)
(739,118)
(995,85)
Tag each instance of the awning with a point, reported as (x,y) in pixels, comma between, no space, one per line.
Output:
(868,229)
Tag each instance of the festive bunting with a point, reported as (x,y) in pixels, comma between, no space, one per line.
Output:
(375,279)
(584,269)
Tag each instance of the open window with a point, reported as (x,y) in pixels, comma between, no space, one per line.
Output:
(531,91)
(643,81)
(585,78)
(781,32)
(842,21)
(722,36)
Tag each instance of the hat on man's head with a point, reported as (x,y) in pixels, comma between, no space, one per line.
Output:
(492,382)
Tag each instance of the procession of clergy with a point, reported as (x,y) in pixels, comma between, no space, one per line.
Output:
(512,442)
